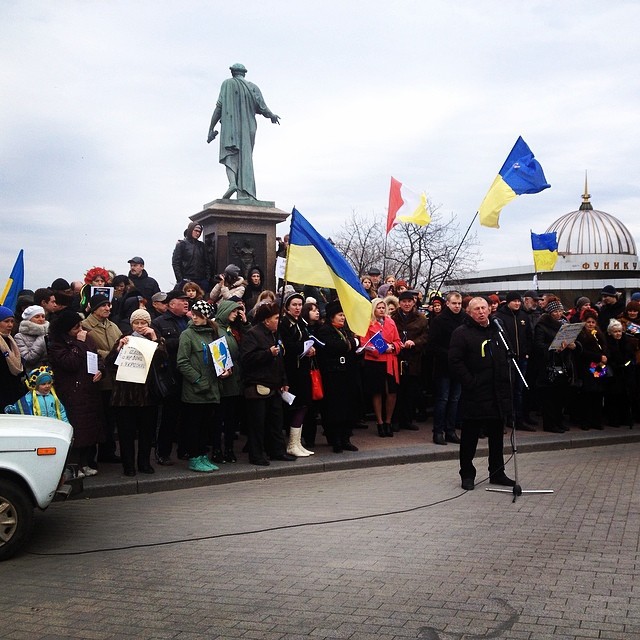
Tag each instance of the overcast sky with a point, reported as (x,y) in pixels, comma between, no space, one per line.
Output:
(105,110)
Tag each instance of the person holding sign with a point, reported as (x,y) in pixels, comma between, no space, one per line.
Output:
(554,366)
(381,369)
(200,388)
(135,404)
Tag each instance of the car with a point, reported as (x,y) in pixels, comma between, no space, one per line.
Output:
(33,472)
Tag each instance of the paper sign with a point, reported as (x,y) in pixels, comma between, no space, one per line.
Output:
(107,292)
(281,267)
(567,333)
(134,360)
(307,345)
(221,357)
(92,363)
(287,397)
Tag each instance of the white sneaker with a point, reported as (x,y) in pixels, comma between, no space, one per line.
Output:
(88,471)
(79,474)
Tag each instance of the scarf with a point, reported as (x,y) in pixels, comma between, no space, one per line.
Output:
(10,351)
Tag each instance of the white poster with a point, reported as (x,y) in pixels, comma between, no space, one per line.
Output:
(134,360)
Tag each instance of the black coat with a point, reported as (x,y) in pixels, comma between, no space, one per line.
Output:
(543,334)
(478,360)
(190,261)
(517,325)
(145,284)
(293,335)
(441,329)
(259,366)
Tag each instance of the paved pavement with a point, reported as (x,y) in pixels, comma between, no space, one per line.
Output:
(382,552)
(404,447)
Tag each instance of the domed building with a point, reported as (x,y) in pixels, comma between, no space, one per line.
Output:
(594,249)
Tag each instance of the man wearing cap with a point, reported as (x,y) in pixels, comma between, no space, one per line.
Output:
(235,110)
(105,334)
(158,304)
(169,326)
(519,333)
(141,280)
(374,273)
(412,328)
(190,261)
(611,306)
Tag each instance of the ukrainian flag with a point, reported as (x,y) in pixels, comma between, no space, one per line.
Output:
(15,283)
(521,173)
(545,250)
(313,260)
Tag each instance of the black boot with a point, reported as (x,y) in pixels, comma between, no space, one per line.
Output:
(388,431)
(381,432)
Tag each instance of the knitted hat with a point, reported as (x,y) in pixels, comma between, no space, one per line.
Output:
(232,270)
(40,375)
(140,314)
(97,301)
(65,321)
(203,308)
(60,284)
(554,305)
(383,290)
(513,295)
(401,283)
(31,311)
(582,301)
(609,290)
(5,313)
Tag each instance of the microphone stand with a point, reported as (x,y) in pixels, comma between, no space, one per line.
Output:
(517,489)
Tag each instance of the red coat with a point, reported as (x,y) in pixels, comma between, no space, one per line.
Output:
(391,336)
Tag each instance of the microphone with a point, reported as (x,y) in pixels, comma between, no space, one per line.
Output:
(498,324)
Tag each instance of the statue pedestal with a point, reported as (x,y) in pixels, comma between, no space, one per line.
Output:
(242,232)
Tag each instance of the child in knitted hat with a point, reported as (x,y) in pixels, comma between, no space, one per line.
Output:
(41,399)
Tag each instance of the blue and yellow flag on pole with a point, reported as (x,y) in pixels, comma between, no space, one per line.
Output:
(521,173)
(545,250)
(313,260)
(15,283)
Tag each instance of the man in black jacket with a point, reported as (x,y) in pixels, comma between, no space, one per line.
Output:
(478,360)
(446,390)
(142,281)
(519,331)
(190,260)
(169,326)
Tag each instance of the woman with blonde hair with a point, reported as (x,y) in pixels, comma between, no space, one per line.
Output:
(381,371)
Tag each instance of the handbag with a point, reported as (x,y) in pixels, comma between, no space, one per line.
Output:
(317,390)
(161,379)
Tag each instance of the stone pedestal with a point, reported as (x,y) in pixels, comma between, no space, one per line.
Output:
(242,232)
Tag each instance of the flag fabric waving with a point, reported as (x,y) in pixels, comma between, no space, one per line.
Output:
(15,283)
(314,260)
(521,173)
(406,205)
(545,250)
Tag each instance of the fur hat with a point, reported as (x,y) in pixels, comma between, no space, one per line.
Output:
(266,310)
(406,295)
(332,308)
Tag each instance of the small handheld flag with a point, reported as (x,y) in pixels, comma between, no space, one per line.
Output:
(521,173)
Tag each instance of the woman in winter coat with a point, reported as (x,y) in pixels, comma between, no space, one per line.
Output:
(336,359)
(591,361)
(230,284)
(619,388)
(11,368)
(264,379)
(135,404)
(554,367)
(200,389)
(255,286)
(381,369)
(227,420)
(31,337)
(77,389)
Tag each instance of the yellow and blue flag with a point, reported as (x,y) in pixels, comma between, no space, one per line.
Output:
(545,250)
(313,260)
(521,173)
(15,283)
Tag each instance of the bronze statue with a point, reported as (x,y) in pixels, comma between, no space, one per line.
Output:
(235,110)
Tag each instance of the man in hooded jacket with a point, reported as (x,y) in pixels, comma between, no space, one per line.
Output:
(189,261)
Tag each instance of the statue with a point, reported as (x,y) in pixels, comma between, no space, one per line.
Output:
(247,256)
(235,110)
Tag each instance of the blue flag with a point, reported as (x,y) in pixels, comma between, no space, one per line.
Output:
(15,283)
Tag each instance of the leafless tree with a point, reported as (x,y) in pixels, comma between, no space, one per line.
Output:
(422,256)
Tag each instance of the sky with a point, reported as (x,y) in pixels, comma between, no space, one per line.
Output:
(105,110)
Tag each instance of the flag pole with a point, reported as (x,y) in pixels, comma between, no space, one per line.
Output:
(455,255)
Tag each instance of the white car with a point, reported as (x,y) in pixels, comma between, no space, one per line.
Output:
(33,455)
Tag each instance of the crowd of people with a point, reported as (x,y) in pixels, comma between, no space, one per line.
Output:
(296,365)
